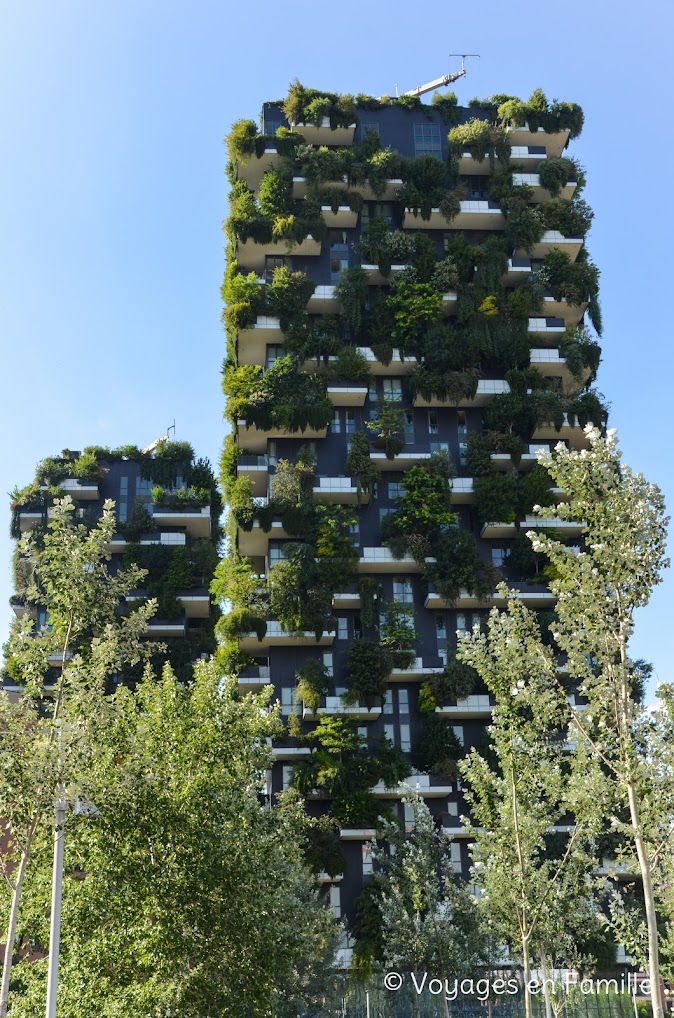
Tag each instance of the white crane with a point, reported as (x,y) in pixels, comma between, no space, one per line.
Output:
(447,79)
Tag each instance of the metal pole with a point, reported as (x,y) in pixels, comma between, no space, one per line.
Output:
(56,895)
(367,1004)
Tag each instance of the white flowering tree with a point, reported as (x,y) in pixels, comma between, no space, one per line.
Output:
(530,860)
(598,592)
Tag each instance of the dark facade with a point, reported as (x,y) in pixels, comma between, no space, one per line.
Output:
(434,422)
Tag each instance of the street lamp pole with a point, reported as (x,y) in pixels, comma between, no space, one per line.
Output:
(56,898)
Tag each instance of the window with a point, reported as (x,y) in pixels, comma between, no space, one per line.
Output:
(327,662)
(441,627)
(350,420)
(337,266)
(144,488)
(458,731)
(432,422)
(402,590)
(403,701)
(362,732)
(274,352)
(336,424)
(368,865)
(395,489)
(342,628)
(389,732)
(368,125)
(461,425)
(453,809)
(427,140)
(405,738)
(409,427)
(272,454)
(275,553)
(271,263)
(442,654)
(461,626)
(408,813)
(388,702)
(288,700)
(455,856)
(499,556)
(354,530)
(386,511)
(271,125)
(335,901)
(339,241)
(392,389)
(287,775)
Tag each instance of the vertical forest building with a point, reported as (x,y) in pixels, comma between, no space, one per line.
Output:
(411,314)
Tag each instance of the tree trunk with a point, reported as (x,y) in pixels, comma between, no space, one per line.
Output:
(14,919)
(546,989)
(526,964)
(649,902)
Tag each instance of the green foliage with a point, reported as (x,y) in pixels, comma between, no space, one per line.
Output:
(580,352)
(360,465)
(351,294)
(456,682)
(574,282)
(287,295)
(459,566)
(446,103)
(496,497)
(573,218)
(425,508)
(243,141)
(351,365)
(282,398)
(554,174)
(323,847)
(475,136)
(414,306)
(481,447)
(313,682)
(388,426)
(367,668)
(380,246)
(307,105)
(437,749)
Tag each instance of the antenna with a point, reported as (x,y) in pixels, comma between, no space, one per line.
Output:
(447,79)
(172,426)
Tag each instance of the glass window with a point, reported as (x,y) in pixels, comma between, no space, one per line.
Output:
(405,738)
(395,489)
(441,627)
(271,125)
(144,488)
(339,240)
(124,485)
(409,427)
(458,731)
(389,733)
(275,552)
(274,352)
(499,556)
(402,590)
(362,732)
(287,775)
(461,425)
(455,855)
(287,700)
(350,420)
(368,125)
(388,702)
(342,628)
(272,454)
(427,140)
(461,625)
(432,422)
(122,511)
(392,389)
(337,266)
(327,662)
(368,864)
(403,701)
(335,901)
(336,424)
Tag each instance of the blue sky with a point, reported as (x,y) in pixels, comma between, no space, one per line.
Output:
(112,192)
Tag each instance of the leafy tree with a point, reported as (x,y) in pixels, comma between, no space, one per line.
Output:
(170,869)
(359,464)
(388,426)
(622,560)
(535,885)
(367,668)
(437,749)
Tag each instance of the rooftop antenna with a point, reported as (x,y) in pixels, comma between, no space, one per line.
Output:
(447,79)
(163,438)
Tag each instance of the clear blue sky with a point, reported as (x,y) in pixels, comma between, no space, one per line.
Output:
(112,192)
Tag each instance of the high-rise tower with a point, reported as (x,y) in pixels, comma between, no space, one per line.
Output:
(406,293)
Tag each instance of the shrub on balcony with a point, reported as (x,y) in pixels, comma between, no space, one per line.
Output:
(244,141)
(309,106)
(299,597)
(456,682)
(422,513)
(446,104)
(580,351)
(367,668)
(282,398)
(588,408)
(287,295)
(240,621)
(350,366)
(140,522)
(323,849)
(533,488)
(351,293)
(320,165)
(475,136)
(574,282)
(360,466)
(336,552)
(523,563)
(381,246)
(496,497)
(453,387)
(437,749)
(554,174)
(459,566)
(415,307)
(572,218)
(377,169)
(481,447)
(398,634)
(180,500)
(524,226)
(388,426)
(313,682)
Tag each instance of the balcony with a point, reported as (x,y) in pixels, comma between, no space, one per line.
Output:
(380,560)
(449,303)
(473,215)
(377,278)
(532,598)
(252,255)
(462,491)
(528,459)
(401,461)
(472,167)
(325,878)
(391,190)
(342,490)
(196,605)
(30,518)
(81,491)
(196,522)
(255,167)
(163,629)
(300,186)
(324,134)
(397,365)
(417,671)
(344,394)
(551,364)
(290,752)
(554,143)
(323,301)
(255,439)
(540,193)
(552,239)
(571,433)
(335,708)
(255,468)
(254,543)
(498,531)
(345,600)
(518,271)
(420,783)
(254,678)
(342,218)
(486,389)
(475,706)
(357,833)
(528,155)
(572,314)
(277,636)
(546,328)
(565,528)
(252,342)
(22,610)
(118,545)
